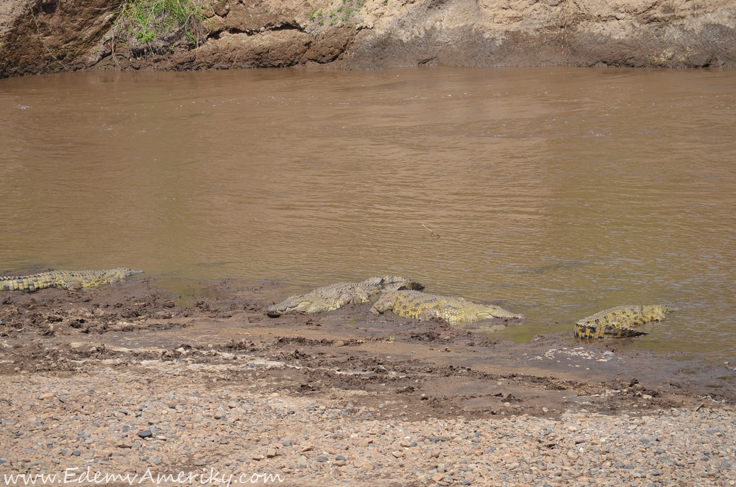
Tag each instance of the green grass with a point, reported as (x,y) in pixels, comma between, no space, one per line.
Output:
(148,19)
(343,14)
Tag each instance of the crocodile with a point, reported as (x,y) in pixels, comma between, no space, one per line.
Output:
(65,279)
(620,322)
(456,311)
(336,296)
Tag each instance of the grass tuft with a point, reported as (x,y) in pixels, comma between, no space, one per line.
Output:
(147,20)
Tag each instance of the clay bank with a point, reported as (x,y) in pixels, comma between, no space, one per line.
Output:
(43,36)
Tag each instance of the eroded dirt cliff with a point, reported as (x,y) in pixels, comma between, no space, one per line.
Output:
(38,36)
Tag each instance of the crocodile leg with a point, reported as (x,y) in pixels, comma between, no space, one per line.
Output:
(384,304)
(430,313)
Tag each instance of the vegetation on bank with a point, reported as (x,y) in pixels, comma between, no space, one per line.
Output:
(147,20)
(338,14)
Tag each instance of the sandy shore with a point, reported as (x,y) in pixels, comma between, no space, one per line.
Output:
(128,382)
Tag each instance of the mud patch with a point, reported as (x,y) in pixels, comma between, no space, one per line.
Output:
(383,367)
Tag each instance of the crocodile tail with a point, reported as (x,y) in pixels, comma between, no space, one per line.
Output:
(28,284)
(590,332)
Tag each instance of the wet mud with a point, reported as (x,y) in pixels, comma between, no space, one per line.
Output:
(400,368)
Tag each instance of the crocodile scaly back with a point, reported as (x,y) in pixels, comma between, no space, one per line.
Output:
(621,321)
(65,279)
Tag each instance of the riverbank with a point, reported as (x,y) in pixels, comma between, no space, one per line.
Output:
(131,379)
(54,36)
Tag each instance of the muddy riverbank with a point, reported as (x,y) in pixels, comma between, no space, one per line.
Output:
(133,378)
(435,369)
(55,35)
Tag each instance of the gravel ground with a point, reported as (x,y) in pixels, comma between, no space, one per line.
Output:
(161,420)
(130,383)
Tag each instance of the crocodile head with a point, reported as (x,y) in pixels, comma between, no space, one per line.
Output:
(391,283)
(124,272)
(294,303)
(497,312)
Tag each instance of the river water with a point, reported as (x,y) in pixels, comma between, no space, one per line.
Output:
(556,192)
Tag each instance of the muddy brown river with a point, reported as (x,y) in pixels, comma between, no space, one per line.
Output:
(554,192)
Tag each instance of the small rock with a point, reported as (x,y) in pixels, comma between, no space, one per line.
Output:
(270,453)
(321,458)
(145,434)
(48,395)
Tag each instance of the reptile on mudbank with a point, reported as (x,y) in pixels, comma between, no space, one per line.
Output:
(620,322)
(422,306)
(336,296)
(65,279)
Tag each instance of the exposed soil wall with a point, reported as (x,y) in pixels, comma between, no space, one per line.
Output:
(38,36)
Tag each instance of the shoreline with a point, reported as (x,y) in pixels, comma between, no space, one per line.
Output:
(50,36)
(124,380)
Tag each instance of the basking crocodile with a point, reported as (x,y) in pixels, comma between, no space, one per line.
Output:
(336,296)
(456,311)
(619,322)
(65,279)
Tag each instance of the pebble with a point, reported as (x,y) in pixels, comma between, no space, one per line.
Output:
(664,447)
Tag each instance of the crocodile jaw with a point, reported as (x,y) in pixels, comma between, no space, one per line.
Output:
(125,272)
(295,303)
(498,312)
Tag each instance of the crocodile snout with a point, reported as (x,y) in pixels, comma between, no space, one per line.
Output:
(274,312)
